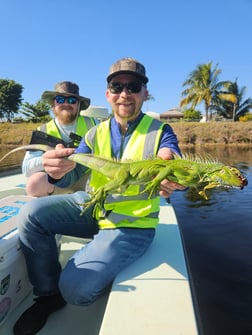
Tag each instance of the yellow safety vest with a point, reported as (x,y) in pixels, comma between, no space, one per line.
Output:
(83,125)
(131,209)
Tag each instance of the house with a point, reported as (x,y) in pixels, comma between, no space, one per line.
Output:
(153,114)
(97,112)
(171,114)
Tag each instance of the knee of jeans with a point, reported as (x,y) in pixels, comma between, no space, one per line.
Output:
(22,218)
(76,290)
(27,221)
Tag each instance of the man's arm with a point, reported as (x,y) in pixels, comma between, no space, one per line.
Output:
(32,163)
(166,186)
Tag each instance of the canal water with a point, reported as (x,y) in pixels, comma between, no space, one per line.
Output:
(217,235)
(218,241)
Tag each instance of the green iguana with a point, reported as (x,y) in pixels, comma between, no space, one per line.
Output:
(188,171)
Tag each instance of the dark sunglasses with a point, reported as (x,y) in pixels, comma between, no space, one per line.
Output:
(132,87)
(60,99)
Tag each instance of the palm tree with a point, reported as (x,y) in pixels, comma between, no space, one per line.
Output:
(202,84)
(230,101)
(149,98)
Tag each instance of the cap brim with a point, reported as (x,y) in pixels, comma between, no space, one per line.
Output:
(142,78)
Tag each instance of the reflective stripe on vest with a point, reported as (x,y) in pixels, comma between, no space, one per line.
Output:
(83,125)
(130,209)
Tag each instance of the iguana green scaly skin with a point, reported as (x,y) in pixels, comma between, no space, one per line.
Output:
(196,172)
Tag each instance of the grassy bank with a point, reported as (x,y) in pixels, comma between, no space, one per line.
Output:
(213,133)
(188,133)
(15,134)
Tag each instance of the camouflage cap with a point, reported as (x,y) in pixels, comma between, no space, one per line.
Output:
(127,66)
(66,88)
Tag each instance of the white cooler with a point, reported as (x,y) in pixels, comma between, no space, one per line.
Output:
(14,283)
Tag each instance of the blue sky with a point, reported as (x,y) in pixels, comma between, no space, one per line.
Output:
(43,42)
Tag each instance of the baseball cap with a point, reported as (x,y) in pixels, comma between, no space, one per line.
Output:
(127,66)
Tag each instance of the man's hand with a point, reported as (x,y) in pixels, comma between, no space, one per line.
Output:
(54,162)
(166,186)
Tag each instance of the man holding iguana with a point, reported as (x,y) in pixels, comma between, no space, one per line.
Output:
(126,224)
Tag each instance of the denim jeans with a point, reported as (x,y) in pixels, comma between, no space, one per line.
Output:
(91,269)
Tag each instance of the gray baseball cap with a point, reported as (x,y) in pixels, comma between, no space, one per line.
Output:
(127,66)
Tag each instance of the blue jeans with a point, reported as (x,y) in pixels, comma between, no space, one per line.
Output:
(91,269)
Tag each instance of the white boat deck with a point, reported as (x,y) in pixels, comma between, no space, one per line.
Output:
(152,296)
(12,185)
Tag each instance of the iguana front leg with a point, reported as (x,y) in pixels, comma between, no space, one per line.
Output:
(99,196)
(158,176)
(203,192)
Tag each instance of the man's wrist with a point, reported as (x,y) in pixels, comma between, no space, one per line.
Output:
(52,180)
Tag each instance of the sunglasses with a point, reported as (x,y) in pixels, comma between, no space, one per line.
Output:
(60,99)
(132,87)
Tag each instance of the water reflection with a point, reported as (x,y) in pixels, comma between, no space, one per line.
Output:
(218,240)
(226,154)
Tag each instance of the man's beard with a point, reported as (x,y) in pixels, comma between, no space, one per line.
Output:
(66,116)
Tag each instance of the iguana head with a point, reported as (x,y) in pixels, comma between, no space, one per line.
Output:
(225,176)
(228,176)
